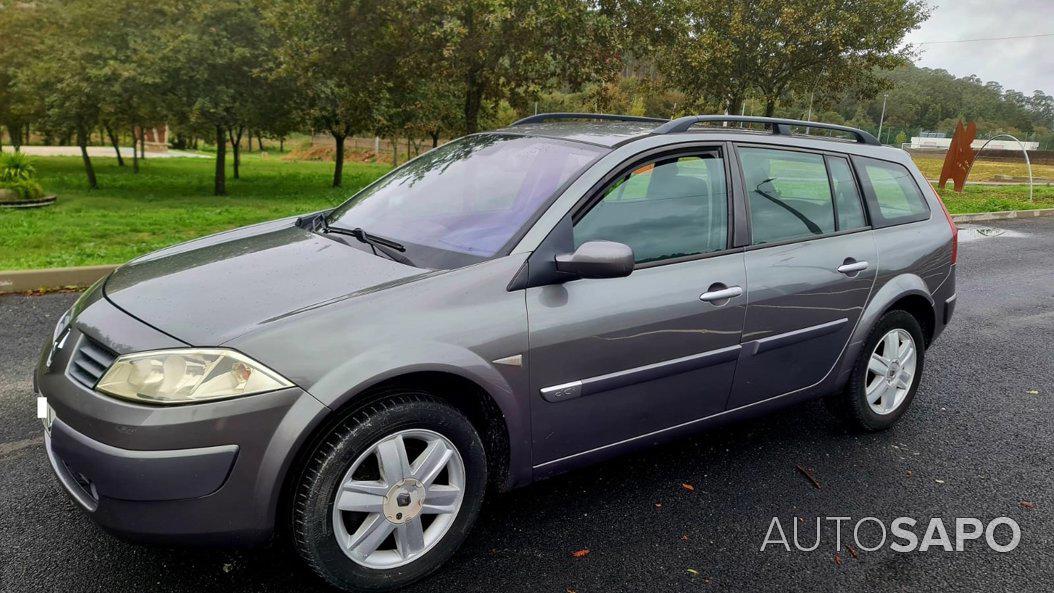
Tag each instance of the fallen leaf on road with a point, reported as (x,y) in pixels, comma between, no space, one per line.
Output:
(1032,392)
(837,559)
(909,472)
(939,481)
(1027,505)
(684,538)
(808,475)
(658,505)
(688,487)
(852,552)
(693,572)
(570,590)
(580,553)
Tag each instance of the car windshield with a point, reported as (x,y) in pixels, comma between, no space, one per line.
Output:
(463,202)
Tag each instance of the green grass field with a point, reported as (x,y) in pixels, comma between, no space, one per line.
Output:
(171,200)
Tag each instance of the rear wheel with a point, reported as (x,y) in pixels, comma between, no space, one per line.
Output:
(389,494)
(886,375)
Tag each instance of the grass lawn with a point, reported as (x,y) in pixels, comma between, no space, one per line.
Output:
(984,170)
(169,201)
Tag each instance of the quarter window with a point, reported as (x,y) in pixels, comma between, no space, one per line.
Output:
(789,193)
(672,207)
(898,197)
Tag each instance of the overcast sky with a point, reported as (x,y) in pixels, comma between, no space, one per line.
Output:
(1020,64)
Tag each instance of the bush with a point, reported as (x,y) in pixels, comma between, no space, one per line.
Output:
(24,189)
(16,166)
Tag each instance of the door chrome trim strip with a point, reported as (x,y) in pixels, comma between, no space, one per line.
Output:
(650,372)
(798,335)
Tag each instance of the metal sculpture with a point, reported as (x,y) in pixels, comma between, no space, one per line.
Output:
(960,157)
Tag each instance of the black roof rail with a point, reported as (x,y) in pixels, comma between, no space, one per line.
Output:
(778,125)
(541,117)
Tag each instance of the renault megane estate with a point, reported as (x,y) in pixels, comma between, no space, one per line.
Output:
(509,306)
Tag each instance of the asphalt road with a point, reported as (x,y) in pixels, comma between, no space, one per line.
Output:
(978,442)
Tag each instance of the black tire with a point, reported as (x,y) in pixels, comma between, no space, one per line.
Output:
(850,405)
(313,496)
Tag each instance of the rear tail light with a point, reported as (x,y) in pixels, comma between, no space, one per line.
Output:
(951,223)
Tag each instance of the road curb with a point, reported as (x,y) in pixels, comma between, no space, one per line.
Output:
(1005,215)
(51,278)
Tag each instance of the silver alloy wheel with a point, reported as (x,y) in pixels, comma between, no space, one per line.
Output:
(890,371)
(393,520)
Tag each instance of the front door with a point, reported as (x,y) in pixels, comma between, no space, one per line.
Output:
(810,269)
(614,359)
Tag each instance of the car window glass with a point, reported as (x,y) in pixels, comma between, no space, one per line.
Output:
(790,195)
(846,195)
(898,196)
(672,207)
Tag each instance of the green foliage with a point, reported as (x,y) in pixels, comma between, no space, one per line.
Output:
(24,189)
(16,166)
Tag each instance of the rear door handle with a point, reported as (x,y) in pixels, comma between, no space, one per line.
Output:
(720,294)
(854,267)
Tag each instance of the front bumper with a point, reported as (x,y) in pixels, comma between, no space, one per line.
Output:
(208,473)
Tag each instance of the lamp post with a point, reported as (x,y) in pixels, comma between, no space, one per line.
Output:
(882,118)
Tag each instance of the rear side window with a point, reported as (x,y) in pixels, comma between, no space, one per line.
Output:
(789,194)
(675,206)
(847,201)
(897,198)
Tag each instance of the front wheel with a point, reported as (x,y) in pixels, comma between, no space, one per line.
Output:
(389,494)
(886,375)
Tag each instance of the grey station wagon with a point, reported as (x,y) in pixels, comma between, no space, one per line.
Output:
(509,306)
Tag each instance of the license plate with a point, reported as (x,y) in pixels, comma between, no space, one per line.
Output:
(46,413)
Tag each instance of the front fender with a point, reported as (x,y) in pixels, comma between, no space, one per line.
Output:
(390,360)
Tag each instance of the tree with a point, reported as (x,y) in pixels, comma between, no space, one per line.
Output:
(211,52)
(344,56)
(511,50)
(21,37)
(726,49)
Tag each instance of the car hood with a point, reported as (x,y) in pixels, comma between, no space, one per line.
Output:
(211,290)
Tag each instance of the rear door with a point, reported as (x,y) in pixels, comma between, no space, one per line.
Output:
(810,268)
(619,358)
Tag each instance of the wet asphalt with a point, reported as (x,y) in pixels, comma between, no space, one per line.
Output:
(690,516)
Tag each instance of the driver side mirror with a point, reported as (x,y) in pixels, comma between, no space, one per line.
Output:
(598,259)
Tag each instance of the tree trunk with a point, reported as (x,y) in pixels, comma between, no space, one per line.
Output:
(236,145)
(142,143)
(221,165)
(27,136)
(259,142)
(135,153)
(770,107)
(82,141)
(473,102)
(435,138)
(338,166)
(281,144)
(395,151)
(249,140)
(116,147)
(15,133)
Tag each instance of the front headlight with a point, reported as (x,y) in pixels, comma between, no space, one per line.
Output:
(187,376)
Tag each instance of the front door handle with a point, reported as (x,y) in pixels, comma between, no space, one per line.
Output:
(852,267)
(720,292)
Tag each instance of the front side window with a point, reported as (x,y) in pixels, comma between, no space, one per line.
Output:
(789,194)
(898,197)
(676,206)
(463,202)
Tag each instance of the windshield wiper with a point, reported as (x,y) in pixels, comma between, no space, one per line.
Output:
(392,249)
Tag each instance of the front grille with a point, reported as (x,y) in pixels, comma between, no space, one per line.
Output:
(90,362)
